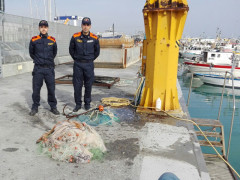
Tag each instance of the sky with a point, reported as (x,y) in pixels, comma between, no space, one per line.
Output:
(204,16)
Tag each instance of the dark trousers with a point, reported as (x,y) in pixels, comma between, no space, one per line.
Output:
(48,75)
(83,73)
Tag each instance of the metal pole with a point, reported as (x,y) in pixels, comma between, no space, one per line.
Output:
(45,9)
(49,10)
(3,27)
(55,8)
(2,5)
(233,114)
(190,89)
(1,58)
(37,10)
(113,29)
(220,107)
(31,9)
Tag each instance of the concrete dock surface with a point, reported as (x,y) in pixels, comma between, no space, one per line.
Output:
(141,146)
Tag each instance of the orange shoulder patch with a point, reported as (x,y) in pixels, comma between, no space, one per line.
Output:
(93,36)
(77,34)
(51,38)
(34,38)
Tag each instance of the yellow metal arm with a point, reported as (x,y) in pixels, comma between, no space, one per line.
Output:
(66,21)
(164,22)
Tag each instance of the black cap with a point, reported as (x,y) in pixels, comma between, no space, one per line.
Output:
(86,20)
(43,23)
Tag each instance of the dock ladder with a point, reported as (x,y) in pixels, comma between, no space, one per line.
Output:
(219,141)
(214,124)
(215,136)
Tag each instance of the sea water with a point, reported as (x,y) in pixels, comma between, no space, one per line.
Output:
(204,103)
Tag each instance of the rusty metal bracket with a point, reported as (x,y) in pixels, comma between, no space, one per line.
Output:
(104,81)
(165,5)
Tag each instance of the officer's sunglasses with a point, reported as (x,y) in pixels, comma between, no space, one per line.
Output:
(86,24)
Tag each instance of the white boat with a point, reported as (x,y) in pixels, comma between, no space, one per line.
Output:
(191,52)
(111,34)
(211,68)
(218,80)
(217,58)
(216,91)
(213,62)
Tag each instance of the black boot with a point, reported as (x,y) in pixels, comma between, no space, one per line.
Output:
(87,106)
(33,112)
(77,108)
(55,111)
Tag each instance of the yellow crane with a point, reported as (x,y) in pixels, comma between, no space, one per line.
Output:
(164,23)
(66,21)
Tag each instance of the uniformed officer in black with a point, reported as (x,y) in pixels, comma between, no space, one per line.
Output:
(84,49)
(43,50)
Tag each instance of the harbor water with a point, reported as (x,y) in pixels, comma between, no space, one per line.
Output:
(204,103)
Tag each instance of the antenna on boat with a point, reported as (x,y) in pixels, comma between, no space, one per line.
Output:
(235,60)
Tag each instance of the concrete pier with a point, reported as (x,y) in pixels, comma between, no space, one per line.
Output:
(141,146)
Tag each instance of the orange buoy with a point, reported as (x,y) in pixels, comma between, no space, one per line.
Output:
(101,108)
(60,138)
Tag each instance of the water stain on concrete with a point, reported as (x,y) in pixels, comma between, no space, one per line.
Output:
(128,163)
(122,149)
(158,118)
(10,149)
(35,120)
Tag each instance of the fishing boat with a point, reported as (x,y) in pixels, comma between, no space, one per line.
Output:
(191,52)
(218,80)
(213,62)
(210,90)
(211,68)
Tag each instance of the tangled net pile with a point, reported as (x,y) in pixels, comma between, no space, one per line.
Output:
(96,118)
(73,142)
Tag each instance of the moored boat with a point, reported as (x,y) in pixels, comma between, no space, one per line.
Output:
(213,62)
(218,80)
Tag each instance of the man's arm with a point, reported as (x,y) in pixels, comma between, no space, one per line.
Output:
(31,50)
(54,49)
(96,49)
(72,47)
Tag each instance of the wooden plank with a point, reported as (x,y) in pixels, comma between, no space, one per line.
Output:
(108,65)
(207,122)
(210,155)
(214,143)
(210,134)
(63,80)
(217,168)
(98,80)
(223,141)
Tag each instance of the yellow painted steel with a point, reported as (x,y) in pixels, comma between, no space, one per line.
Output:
(164,23)
(66,21)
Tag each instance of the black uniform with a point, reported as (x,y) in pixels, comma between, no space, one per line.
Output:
(43,50)
(84,49)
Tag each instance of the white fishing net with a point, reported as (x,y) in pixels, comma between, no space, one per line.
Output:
(71,141)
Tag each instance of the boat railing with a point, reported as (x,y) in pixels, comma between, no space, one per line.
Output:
(210,72)
(220,106)
(234,108)
(236,59)
(191,81)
